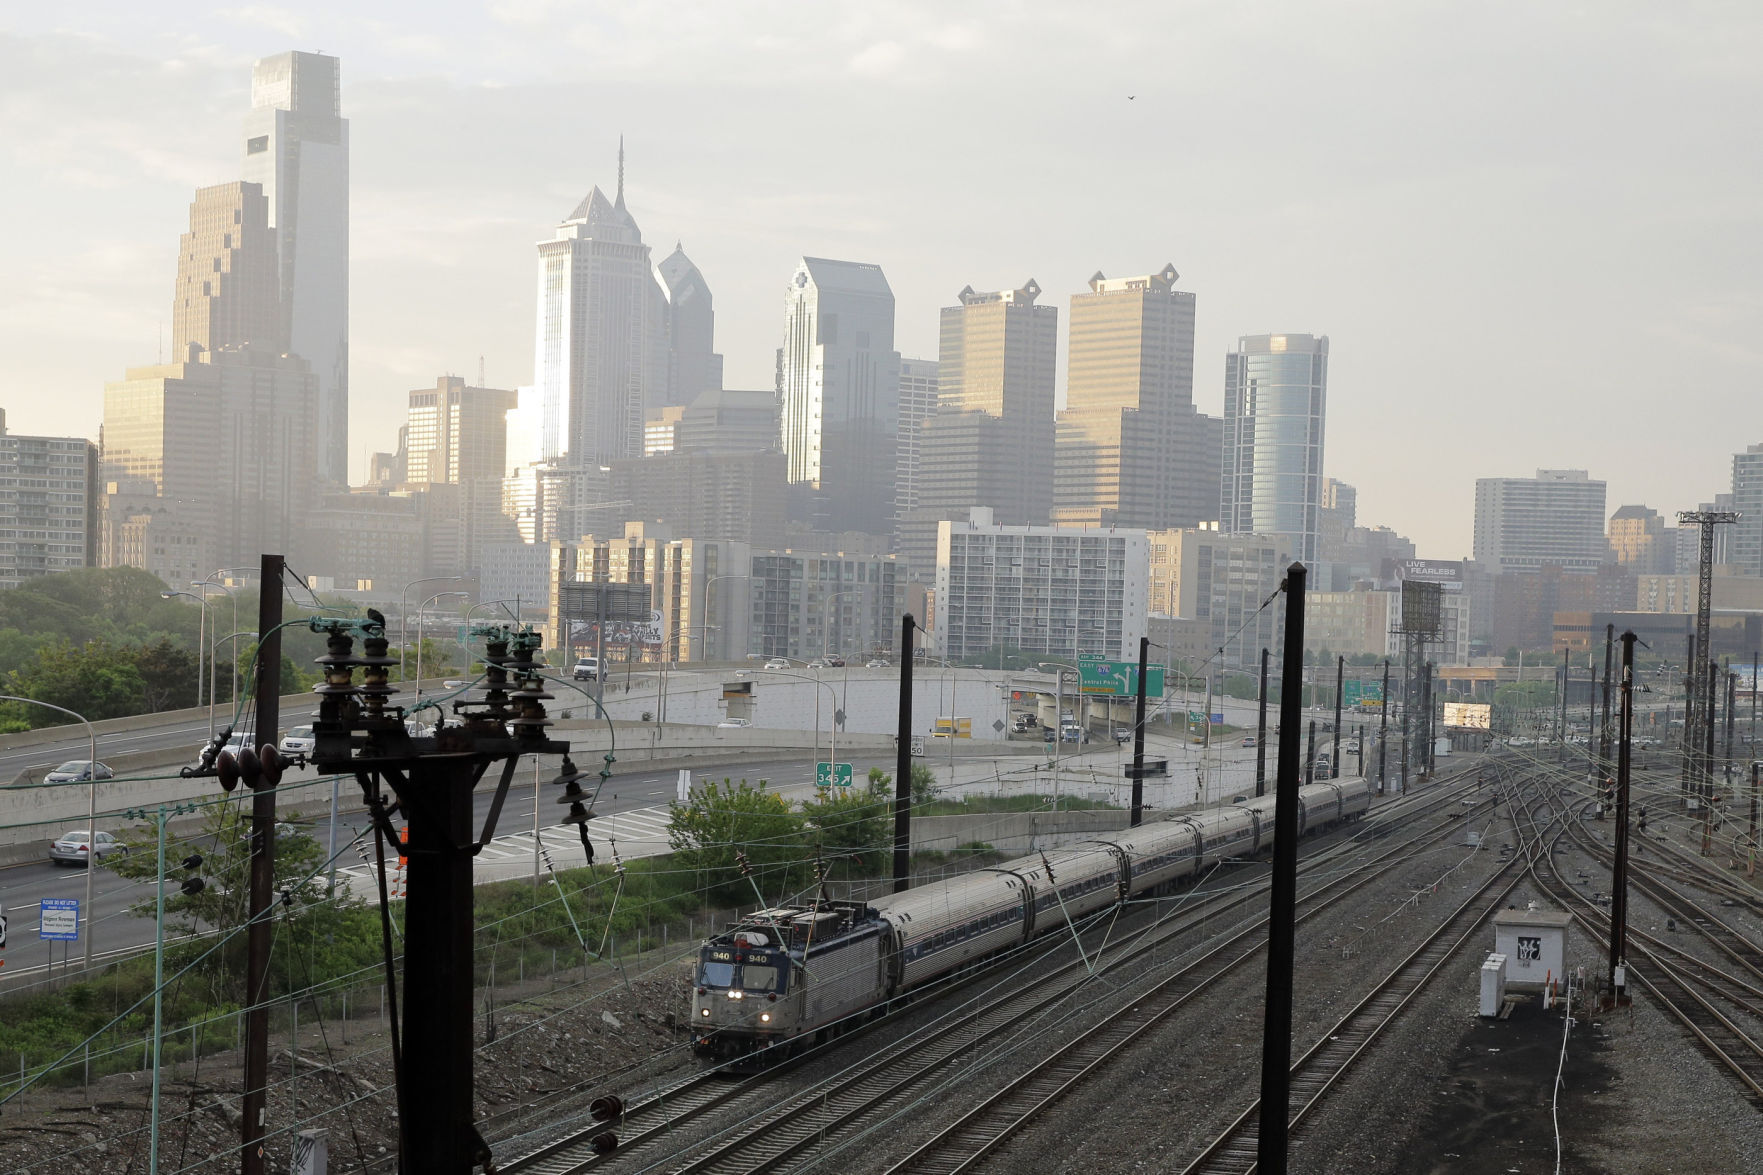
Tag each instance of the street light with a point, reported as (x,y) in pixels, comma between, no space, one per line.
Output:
(421,615)
(91,805)
(201,642)
(404,614)
(833,734)
(667,665)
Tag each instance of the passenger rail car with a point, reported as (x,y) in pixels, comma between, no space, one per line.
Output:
(784,975)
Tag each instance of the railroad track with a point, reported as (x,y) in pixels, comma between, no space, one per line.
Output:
(1318,1070)
(1677,980)
(647,1122)
(824,1118)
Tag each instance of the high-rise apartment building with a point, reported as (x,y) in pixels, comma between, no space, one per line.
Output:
(297,151)
(1275,406)
(1745,538)
(601,345)
(228,290)
(1132,451)
(1222,580)
(1060,591)
(456,433)
(693,366)
(838,393)
(728,420)
(1555,519)
(806,603)
(48,505)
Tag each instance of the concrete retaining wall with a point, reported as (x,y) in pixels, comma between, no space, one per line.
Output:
(1016,832)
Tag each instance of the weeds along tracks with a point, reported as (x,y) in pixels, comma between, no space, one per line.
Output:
(652,1119)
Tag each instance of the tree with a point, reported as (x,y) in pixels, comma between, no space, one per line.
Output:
(223,902)
(168,676)
(924,785)
(850,824)
(723,824)
(96,679)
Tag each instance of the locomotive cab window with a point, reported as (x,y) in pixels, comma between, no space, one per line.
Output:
(761,977)
(714,974)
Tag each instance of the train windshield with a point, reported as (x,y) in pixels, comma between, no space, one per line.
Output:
(715,974)
(760,977)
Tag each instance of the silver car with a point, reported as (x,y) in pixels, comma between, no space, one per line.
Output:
(298,741)
(77,770)
(74,848)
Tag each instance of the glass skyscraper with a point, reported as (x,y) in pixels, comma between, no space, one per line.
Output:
(1275,399)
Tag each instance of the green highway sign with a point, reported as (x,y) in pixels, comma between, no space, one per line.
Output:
(1361,693)
(832,774)
(1110,676)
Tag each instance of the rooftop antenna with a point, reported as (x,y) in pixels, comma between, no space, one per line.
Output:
(480,372)
(620,200)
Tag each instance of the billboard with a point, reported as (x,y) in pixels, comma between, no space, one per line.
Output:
(1448,573)
(1469,715)
(1422,607)
(1099,676)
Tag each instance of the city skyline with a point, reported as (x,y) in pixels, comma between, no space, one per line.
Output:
(1393,229)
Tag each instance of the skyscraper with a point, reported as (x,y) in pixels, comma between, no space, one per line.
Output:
(838,393)
(1745,538)
(601,353)
(49,511)
(457,434)
(693,366)
(1275,401)
(1132,451)
(918,403)
(1555,519)
(297,150)
(228,291)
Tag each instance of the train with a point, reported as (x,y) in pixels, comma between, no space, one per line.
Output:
(784,976)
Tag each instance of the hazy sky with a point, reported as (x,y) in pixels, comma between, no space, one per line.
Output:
(1530,230)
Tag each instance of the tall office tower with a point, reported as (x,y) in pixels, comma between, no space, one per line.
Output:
(601,362)
(693,366)
(728,420)
(49,508)
(456,434)
(1638,539)
(1745,537)
(918,403)
(213,457)
(1553,519)
(297,150)
(1132,451)
(838,393)
(228,292)
(1275,403)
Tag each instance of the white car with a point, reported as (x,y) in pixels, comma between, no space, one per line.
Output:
(78,846)
(298,741)
(239,741)
(777,663)
(818,663)
(878,663)
(733,723)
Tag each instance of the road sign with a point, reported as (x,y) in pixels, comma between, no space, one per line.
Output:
(918,745)
(59,919)
(832,774)
(1111,676)
(2,929)
(1361,693)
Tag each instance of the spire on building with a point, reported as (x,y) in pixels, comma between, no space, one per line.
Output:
(619,201)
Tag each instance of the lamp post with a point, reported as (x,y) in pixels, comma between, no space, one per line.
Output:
(833,734)
(709,598)
(404,614)
(201,640)
(91,805)
(205,583)
(420,616)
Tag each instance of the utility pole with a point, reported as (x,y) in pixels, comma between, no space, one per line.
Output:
(259,933)
(903,759)
(1276,1034)
(1340,671)
(1383,730)
(1261,734)
(1688,742)
(1561,722)
(1604,730)
(1619,877)
(1138,736)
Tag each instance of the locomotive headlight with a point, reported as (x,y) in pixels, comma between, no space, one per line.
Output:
(765,1017)
(737,995)
(705,1012)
